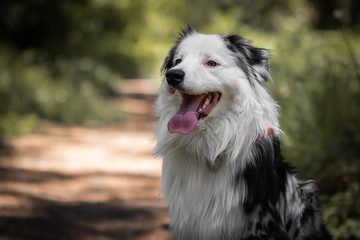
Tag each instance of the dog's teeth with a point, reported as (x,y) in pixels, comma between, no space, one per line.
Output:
(207,101)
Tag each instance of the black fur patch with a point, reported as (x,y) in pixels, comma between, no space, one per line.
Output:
(248,57)
(265,179)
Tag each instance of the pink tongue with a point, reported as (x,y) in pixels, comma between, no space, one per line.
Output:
(185,120)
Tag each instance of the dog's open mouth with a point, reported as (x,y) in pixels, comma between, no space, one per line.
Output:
(193,109)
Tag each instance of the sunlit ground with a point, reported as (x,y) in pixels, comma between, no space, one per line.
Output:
(81,183)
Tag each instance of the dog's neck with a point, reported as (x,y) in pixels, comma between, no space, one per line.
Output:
(215,165)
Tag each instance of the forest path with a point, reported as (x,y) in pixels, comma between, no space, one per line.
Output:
(86,183)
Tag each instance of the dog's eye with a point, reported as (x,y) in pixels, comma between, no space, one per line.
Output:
(211,63)
(177,61)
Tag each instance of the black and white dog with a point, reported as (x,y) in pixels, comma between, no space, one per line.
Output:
(223,173)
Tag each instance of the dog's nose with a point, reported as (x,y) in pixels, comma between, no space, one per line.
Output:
(174,77)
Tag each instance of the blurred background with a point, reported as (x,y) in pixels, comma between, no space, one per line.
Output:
(78,79)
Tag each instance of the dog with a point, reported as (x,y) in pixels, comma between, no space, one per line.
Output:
(223,172)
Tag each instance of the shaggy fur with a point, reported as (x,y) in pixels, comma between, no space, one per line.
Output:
(226,178)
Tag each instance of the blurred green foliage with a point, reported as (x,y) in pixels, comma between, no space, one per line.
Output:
(318,89)
(60,60)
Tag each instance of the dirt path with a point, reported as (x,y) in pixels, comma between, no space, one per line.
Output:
(81,183)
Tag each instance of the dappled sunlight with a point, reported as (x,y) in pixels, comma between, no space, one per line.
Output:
(81,150)
(91,182)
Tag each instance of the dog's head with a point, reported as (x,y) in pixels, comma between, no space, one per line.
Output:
(210,76)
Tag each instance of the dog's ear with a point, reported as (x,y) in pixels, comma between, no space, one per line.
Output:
(186,31)
(261,63)
(169,59)
(255,61)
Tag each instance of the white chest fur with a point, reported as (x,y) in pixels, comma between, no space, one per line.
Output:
(203,204)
